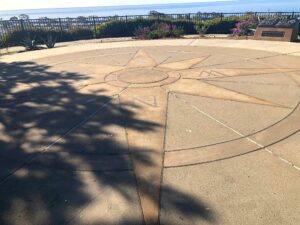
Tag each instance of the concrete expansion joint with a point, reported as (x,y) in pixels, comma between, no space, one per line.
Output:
(239,133)
(61,137)
(282,159)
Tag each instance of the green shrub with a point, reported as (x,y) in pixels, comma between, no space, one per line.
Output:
(158,30)
(127,28)
(221,27)
(3,42)
(16,37)
(50,41)
(79,34)
(201,29)
(29,43)
(123,28)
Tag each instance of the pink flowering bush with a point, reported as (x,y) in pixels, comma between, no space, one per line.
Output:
(245,27)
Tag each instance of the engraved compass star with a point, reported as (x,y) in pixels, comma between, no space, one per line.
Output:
(143,85)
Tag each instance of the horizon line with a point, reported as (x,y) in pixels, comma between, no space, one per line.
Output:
(120,5)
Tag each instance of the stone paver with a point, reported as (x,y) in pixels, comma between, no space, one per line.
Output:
(151,132)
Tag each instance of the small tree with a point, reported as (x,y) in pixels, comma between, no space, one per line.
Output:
(156,13)
(13,18)
(23,17)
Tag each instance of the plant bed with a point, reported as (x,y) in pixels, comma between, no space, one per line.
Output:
(158,31)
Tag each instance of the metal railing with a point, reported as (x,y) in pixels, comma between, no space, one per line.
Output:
(81,23)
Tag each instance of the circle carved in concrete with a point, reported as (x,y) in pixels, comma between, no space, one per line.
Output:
(142,76)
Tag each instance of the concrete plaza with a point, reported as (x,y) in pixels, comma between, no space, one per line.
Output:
(166,132)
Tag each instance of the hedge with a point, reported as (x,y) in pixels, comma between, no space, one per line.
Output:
(122,28)
(221,27)
(16,37)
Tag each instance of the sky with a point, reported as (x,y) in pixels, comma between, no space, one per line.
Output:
(38,4)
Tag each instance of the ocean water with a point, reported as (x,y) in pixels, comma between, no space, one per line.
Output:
(229,6)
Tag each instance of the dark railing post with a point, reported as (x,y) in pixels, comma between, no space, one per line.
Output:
(22,24)
(60,26)
(221,16)
(95,28)
(60,29)
(190,24)
(126,25)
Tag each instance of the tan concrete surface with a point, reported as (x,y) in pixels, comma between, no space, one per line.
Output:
(90,133)
(276,47)
(251,189)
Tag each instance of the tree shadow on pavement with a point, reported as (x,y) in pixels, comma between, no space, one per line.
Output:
(64,154)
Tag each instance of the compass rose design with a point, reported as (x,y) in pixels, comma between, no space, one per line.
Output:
(144,86)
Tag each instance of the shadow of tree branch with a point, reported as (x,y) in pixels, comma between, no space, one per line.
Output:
(64,153)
